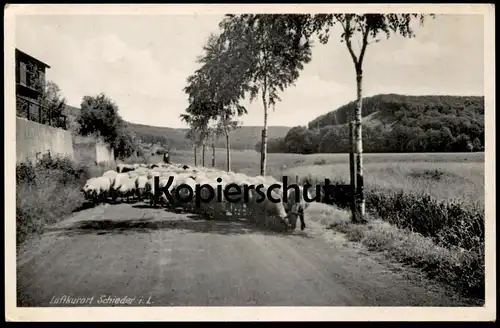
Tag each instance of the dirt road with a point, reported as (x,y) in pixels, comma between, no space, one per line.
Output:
(145,256)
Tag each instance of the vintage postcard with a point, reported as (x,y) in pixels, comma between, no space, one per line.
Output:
(250,162)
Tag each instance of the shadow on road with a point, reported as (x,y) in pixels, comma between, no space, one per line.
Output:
(84,206)
(190,223)
(142,206)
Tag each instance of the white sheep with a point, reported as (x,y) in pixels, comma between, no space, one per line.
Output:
(141,171)
(140,186)
(213,208)
(120,177)
(183,193)
(127,188)
(123,168)
(239,208)
(152,174)
(111,175)
(96,188)
(133,174)
(150,190)
(266,208)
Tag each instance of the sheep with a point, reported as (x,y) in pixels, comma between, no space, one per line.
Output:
(150,190)
(201,178)
(241,180)
(141,170)
(96,188)
(132,174)
(127,188)
(266,208)
(140,186)
(210,207)
(153,174)
(137,181)
(183,193)
(120,177)
(111,175)
(123,168)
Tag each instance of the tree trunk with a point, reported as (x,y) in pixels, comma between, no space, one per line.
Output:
(360,199)
(263,149)
(213,154)
(352,170)
(228,153)
(203,154)
(195,153)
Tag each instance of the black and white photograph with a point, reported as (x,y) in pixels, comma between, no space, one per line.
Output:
(250,162)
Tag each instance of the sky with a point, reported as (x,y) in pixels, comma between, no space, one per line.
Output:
(142,63)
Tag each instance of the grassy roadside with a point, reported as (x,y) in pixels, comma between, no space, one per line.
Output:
(48,191)
(448,246)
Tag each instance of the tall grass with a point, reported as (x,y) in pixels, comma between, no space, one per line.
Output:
(48,190)
(433,213)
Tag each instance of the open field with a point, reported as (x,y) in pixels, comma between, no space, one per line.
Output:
(446,176)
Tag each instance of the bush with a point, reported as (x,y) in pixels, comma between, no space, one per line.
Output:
(445,239)
(320,161)
(47,191)
(448,224)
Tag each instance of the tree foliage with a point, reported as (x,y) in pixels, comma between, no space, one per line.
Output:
(198,128)
(400,124)
(53,104)
(99,116)
(214,91)
(270,51)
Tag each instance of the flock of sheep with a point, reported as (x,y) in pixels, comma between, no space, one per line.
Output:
(137,182)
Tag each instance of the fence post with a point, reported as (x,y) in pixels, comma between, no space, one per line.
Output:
(352,170)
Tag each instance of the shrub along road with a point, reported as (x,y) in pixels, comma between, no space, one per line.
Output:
(124,250)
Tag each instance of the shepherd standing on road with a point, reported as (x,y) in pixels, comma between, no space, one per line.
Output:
(166,158)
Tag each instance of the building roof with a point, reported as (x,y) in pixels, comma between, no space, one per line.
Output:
(22,53)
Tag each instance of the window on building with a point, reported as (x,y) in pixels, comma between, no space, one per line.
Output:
(22,73)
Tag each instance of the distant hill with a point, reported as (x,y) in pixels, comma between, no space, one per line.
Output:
(244,137)
(387,109)
(395,123)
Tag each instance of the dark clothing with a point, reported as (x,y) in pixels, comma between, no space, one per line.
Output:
(166,158)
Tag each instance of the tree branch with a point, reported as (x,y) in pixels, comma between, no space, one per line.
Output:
(347,38)
(366,32)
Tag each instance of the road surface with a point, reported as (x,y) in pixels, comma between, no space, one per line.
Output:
(143,256)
